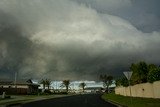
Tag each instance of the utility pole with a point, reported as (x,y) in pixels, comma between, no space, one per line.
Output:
(15,80)
(56,85)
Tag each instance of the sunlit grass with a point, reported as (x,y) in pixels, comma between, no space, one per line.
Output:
(132,102)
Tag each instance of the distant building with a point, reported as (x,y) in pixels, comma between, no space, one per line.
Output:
(20,87)
(98,89)
(93,89)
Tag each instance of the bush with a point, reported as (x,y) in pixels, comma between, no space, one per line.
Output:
(47,92)
(59,92)
(8,96)
(122,82)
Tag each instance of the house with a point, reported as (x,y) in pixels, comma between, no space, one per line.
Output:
(18,87)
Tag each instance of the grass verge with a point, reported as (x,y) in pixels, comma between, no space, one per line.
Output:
(20,99)
(132,102)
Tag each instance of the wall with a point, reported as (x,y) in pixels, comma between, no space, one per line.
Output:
(148,90)
(20,89)
(14,91)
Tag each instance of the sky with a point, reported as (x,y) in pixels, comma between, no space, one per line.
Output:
(77,39)
(75,84)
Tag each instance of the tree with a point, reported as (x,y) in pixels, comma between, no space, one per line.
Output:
(66,84)
(82,85)
(154,74)
(48,83)
(151,66)
(107,80)
(118,82)
(140,72)
(44,83)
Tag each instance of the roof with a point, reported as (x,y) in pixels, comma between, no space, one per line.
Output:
(6,82)
(18,82)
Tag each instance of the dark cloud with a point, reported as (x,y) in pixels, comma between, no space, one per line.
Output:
(74,39)
(14,48)
(144,15)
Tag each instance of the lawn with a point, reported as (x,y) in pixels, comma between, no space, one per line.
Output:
(26,98)
(132,102)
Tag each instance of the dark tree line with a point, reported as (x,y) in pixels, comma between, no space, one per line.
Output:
(142,73)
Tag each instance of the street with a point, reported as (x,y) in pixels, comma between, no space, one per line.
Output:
(85,100)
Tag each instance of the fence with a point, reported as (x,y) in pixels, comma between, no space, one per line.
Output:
(148,90)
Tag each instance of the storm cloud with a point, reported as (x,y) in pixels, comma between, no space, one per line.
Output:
(75,39)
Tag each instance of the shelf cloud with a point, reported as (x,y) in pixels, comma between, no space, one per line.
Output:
(74,39)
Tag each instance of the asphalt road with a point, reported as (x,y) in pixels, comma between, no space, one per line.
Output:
(86,100)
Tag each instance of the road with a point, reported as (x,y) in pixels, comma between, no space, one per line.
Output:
(85,100)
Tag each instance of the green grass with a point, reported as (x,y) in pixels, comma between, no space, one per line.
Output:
(26,98)
(132,102)
(15,102)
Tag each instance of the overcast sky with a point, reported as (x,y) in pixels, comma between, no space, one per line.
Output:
(77,39)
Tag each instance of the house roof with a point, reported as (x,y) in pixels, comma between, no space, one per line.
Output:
(6,82)
(18,82)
